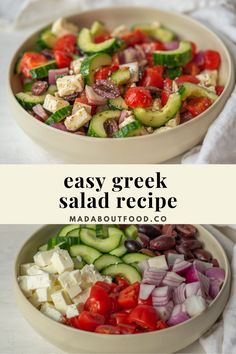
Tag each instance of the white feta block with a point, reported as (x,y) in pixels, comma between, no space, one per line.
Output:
(77,120)
(61,300)
(174,121)
(61,27)
(62,261)
(70,281)
(34,300)
(25,267)
(64,279)
(76,64)
(73,289)
(82,297)
(35,270)
(208,77)
(78,105)
(53,104)
(90,276)
(50,311)
(43,258)
(119,31)
(72,311)
(156,104)
(33,282)
(70,84)
(49,269)
(76,276)
(42,295)
(127,121)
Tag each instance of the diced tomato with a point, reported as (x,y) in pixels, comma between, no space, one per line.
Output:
(194,49)
(83,99)
(167,90)
(134,37)
(138,97)
(212,59)
(219,89)
(118,318)
(128,298)
(102,37)
(114,299)
(107,329)
(191,68)
(108,287)
(87,321)
(127,328)
(121,281)
(148,301)
(161,324)
(151,77)
(185,117)
(66,44)
(98,301)
(149,48)
(63,59)
(29,61)
(144,316)
(186,78)
(103,73)
(198,105)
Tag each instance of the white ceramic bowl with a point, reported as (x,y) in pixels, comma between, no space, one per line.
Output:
(76,341)
(153,148)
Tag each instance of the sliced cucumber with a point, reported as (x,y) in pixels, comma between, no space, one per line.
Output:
(121,76)
(106,260)
(131,231)
(64,241)
(96,127)
(87,45)
(117,103)
(102,231)
(27,86)
(121,250)
(88,237)
(192,90)
(92,63)
(97,28)
(173,58)
(125,270)
(172,73)
(128,129)
(43,247)
(74,233)
(89,226)
(134,257)
(65,230)
(78,264)
(46,39)
(42,71)
(156,119)
(88,254)
(59,115)
(156,32)
(28,101)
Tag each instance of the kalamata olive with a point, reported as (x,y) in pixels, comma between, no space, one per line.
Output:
(215,263)
(167,229)
(191,243)
(203,255)
(185,251)
(162,243)
(186,230)
(132,245)
(144,238)
(150,230)
(148,252)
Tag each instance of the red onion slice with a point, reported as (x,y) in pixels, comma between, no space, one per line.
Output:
(40,111)
(172,279)
(214,289)
(145,291)
(165,311)
(171,257)
(201,266)
(161,296)
(216,273)
(153,276)
(93,97)
(181,265)
(179,294)
(52,73)
(171,45)
(192,288)
(200,59)
(195,305)
(178,315)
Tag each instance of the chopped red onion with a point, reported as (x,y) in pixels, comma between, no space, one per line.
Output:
(215,286)
(143,265)
(216,273)
(161,296)
(195,305)
(200,58)
(40,111)
(171,45)
(145,291)
(93,97)
(123,115)
(153,276)
(165,311)
(202,266)
(191,274)
(178,315)
(171,257)
(129,55)
(205,284)
(52,73)
(158,262)
(179,294)
(60,126)
(192,288)
(180,265)
(172,279)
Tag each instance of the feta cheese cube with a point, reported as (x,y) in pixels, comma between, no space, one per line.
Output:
(76,64)
(73,289)
(50,311)
(82,297)
(25,267)
(76,276)
(208,77)
(78,105)
(49,269)
(70,84)
(61,261)
(34,301)
(53,104)
(90,276)
(64,279)
(156,104)
(70,281)
(72,311)
(61,27)
(42,295)
(33,282)
(174,121)
(43,258)
(77,120)
(61,300)
(35,270)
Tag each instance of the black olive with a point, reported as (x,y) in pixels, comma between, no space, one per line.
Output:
(152,231)
(132,245)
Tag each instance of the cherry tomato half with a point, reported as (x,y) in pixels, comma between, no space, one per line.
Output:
(107,329)
(198,105)
(144,316)
(103,73)
(138,97)
(127,328)
(134,37)
(102,37)
(31,60)
(66,44)
(186,78)
(118,318)
(128,298)
(167,90)
(98,301)
(87,321)
(63,59)
(219,89)
(212,59)
(151,77)
(161,324)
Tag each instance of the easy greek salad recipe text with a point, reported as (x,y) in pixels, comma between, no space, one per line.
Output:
(117,83)
(122,279)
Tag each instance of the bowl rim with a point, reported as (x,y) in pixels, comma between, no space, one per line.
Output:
(17,288)
(201,116)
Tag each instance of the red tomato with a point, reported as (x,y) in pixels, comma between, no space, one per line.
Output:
(102,37)
(194,49)
(63,59)
(118,318)
(108,287)
(144,316)
(138,97)
(66,44)
(121,281)
(149,48)
(29,61)
(212,60)
(161,324)
(87,321)
(146,302)
(135,37)
(107,329)
(185,117)
(166,91)
(191,69)
(103,73)
(187,78)
(83,99)
(128,298)
(98,301)
(127,328)
(198,105)
(151,77)
(219,89)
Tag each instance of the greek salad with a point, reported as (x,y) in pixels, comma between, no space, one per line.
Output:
(122,279)
(116,83)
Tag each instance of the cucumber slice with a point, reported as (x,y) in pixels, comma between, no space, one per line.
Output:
(96,126)
(92,63)
(27,86)
(121,76)
(134,258)
(59,115)
(88,237)
(88,254)
(74,233)
(42,71)
(28,101)
(97,28)
(106,260)
(63,242)
(126,271)
(192,90)
(121,250)
(128,129)
(87,45)
(156,119)
(89,226)
(78,264)
(43,247)
(65,230)
(172,73)
(173,58)
(156,32)
(117,103)
(46,39)
(131,232)
(102,231)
